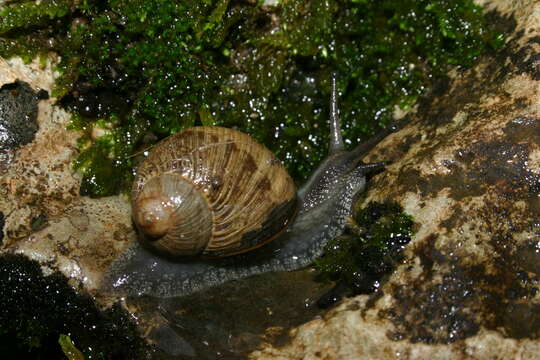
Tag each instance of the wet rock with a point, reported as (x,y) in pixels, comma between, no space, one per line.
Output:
(37,308)
(467,168)
(18,115)
(37,184)
(2,223)
(230,320)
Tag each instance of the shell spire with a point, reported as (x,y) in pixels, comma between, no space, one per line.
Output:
(172,216)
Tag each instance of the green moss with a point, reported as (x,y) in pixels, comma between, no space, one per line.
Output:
(36,310)
(149,68)
(360,260)
(69,349)
(29,14)
(102,175)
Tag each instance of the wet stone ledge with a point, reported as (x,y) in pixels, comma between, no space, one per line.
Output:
(18,118)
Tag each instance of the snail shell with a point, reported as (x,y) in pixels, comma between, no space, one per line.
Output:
(211,191)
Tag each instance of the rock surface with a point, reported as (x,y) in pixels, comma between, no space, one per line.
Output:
(44,216)
(467,168)
(18,112)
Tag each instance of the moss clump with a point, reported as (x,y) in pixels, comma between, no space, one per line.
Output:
(148,68)
(102,174)
(36,310)
(69,349)
(360,260)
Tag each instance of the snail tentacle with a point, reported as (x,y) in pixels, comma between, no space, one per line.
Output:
(336,138)
(371,167)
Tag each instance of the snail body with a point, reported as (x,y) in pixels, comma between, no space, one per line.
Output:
(299,224)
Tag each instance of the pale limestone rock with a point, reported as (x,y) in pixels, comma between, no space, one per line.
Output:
(38,76)
(45,216)
(466,167)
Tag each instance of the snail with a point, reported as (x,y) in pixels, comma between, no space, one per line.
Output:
(204,221)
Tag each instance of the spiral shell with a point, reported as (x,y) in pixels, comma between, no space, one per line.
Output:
(211,191)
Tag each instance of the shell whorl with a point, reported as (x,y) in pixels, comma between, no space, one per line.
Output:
(249,195)
(172,215)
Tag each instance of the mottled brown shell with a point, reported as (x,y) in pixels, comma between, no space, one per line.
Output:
(211,191)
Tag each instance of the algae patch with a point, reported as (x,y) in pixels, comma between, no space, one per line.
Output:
(18,114)
(360,260)
(37,309)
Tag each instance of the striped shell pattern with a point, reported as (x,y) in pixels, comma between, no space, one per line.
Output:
(211,191)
